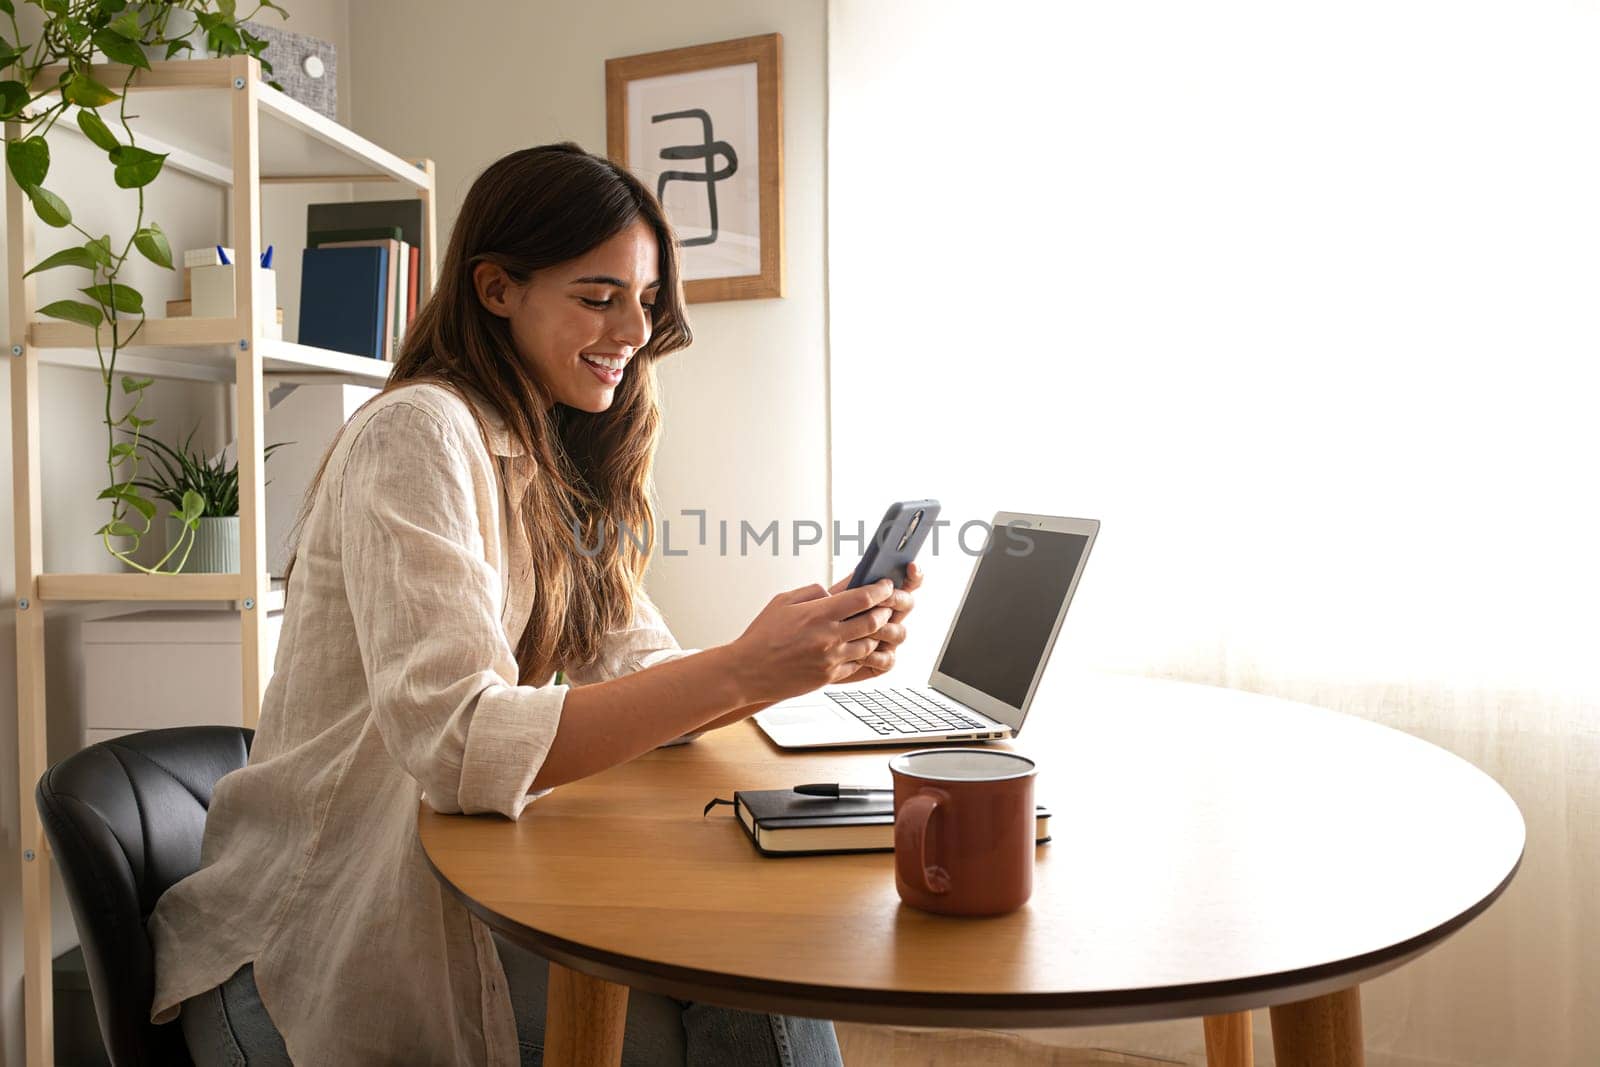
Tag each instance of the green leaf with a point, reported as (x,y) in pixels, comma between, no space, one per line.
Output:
(67,257)
(117,490)
(153,243)
(137,422)
(118,528)
(8,54)
(136,167)
(124,298)
(100,249)
(228,8)
(224,39)
(140,504)
(74,311)
(194,505)
(133,385)
(5,5)
(174,47)
(77,32)
(57,8)
(29,160)
(13,98)
(94,128)
(127,25)
(51,209)
(119,49)
(122,448)
(84,91)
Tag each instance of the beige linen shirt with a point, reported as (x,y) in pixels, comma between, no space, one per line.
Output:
(395,680)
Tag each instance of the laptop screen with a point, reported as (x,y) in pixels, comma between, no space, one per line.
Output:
(1004,624)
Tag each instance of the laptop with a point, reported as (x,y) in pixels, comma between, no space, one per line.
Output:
(990,664)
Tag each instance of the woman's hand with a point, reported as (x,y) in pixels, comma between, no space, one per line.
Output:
(893,633)
(810,637)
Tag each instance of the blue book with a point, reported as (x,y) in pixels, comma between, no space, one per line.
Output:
(342,294)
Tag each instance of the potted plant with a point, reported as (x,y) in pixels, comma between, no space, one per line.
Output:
(74,34)
(204,495)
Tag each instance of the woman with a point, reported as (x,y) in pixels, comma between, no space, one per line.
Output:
(445,567)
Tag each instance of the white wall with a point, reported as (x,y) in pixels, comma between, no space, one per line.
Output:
(73,457)
(745,407)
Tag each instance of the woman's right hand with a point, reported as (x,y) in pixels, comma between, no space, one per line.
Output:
(807,638)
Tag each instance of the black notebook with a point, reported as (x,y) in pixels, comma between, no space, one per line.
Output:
(782,822)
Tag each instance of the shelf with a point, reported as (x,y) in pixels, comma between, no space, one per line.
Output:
(181,110)
(198,350)
(58,588)
(217,121)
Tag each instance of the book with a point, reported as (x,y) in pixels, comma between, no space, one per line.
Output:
(405,214)
(416,274)
(342,299)
(402,287)
(391,285)
(781,822)
(360,233)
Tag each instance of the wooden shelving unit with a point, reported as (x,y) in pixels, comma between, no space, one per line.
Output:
(220,122)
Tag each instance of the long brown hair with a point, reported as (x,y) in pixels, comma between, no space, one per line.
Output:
(528,211)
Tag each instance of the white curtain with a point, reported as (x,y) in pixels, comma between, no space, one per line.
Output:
(1301,302)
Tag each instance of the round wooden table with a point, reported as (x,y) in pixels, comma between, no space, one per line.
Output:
(1213,851)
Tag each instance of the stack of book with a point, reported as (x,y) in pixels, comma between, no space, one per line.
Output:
(360,275)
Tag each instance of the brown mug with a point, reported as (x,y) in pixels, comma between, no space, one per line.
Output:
(964,830)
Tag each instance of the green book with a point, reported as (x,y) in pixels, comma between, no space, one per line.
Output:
(370,233)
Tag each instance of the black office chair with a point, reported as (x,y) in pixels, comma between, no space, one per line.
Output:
(125,819)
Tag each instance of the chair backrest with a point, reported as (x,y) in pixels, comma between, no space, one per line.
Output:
(125,819)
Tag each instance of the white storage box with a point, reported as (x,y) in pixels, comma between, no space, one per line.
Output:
(211,295)
(153,669)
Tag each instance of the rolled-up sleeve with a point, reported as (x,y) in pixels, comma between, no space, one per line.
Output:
(440,670)
(644,642)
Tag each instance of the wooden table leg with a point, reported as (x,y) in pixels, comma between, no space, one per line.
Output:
(1320,1032)
(1228,1041)
(584,1020)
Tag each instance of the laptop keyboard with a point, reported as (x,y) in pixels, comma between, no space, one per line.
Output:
(903,711)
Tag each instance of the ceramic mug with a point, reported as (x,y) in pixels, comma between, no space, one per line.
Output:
(964,830)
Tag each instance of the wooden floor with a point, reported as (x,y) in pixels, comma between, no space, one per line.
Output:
(885,1046)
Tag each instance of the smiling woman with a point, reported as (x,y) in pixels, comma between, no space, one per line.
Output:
(436,584)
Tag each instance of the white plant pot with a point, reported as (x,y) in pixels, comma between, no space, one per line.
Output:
(216,545)
(181,21)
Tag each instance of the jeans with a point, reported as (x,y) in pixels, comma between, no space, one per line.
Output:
(228,1027)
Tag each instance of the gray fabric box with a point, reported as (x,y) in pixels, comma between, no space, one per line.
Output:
(288,53)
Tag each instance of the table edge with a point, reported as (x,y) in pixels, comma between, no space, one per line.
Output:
(1018,1010)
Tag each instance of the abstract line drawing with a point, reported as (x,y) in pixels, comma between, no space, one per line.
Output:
(708,150)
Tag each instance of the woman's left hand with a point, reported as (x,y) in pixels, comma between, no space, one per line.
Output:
(891,634)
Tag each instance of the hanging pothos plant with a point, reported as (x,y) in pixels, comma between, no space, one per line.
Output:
(74,32)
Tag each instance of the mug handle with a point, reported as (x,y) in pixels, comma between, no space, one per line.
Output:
(911,832)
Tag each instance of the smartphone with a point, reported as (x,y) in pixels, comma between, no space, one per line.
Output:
(900,535)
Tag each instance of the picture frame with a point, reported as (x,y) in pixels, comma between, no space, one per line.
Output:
(702,127)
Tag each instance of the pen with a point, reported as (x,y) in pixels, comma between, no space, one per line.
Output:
(266,258)
(832,789)
(222,256)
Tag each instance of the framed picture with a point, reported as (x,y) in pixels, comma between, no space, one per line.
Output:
(703,128)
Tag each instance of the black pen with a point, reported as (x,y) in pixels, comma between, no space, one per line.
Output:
(833,789)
